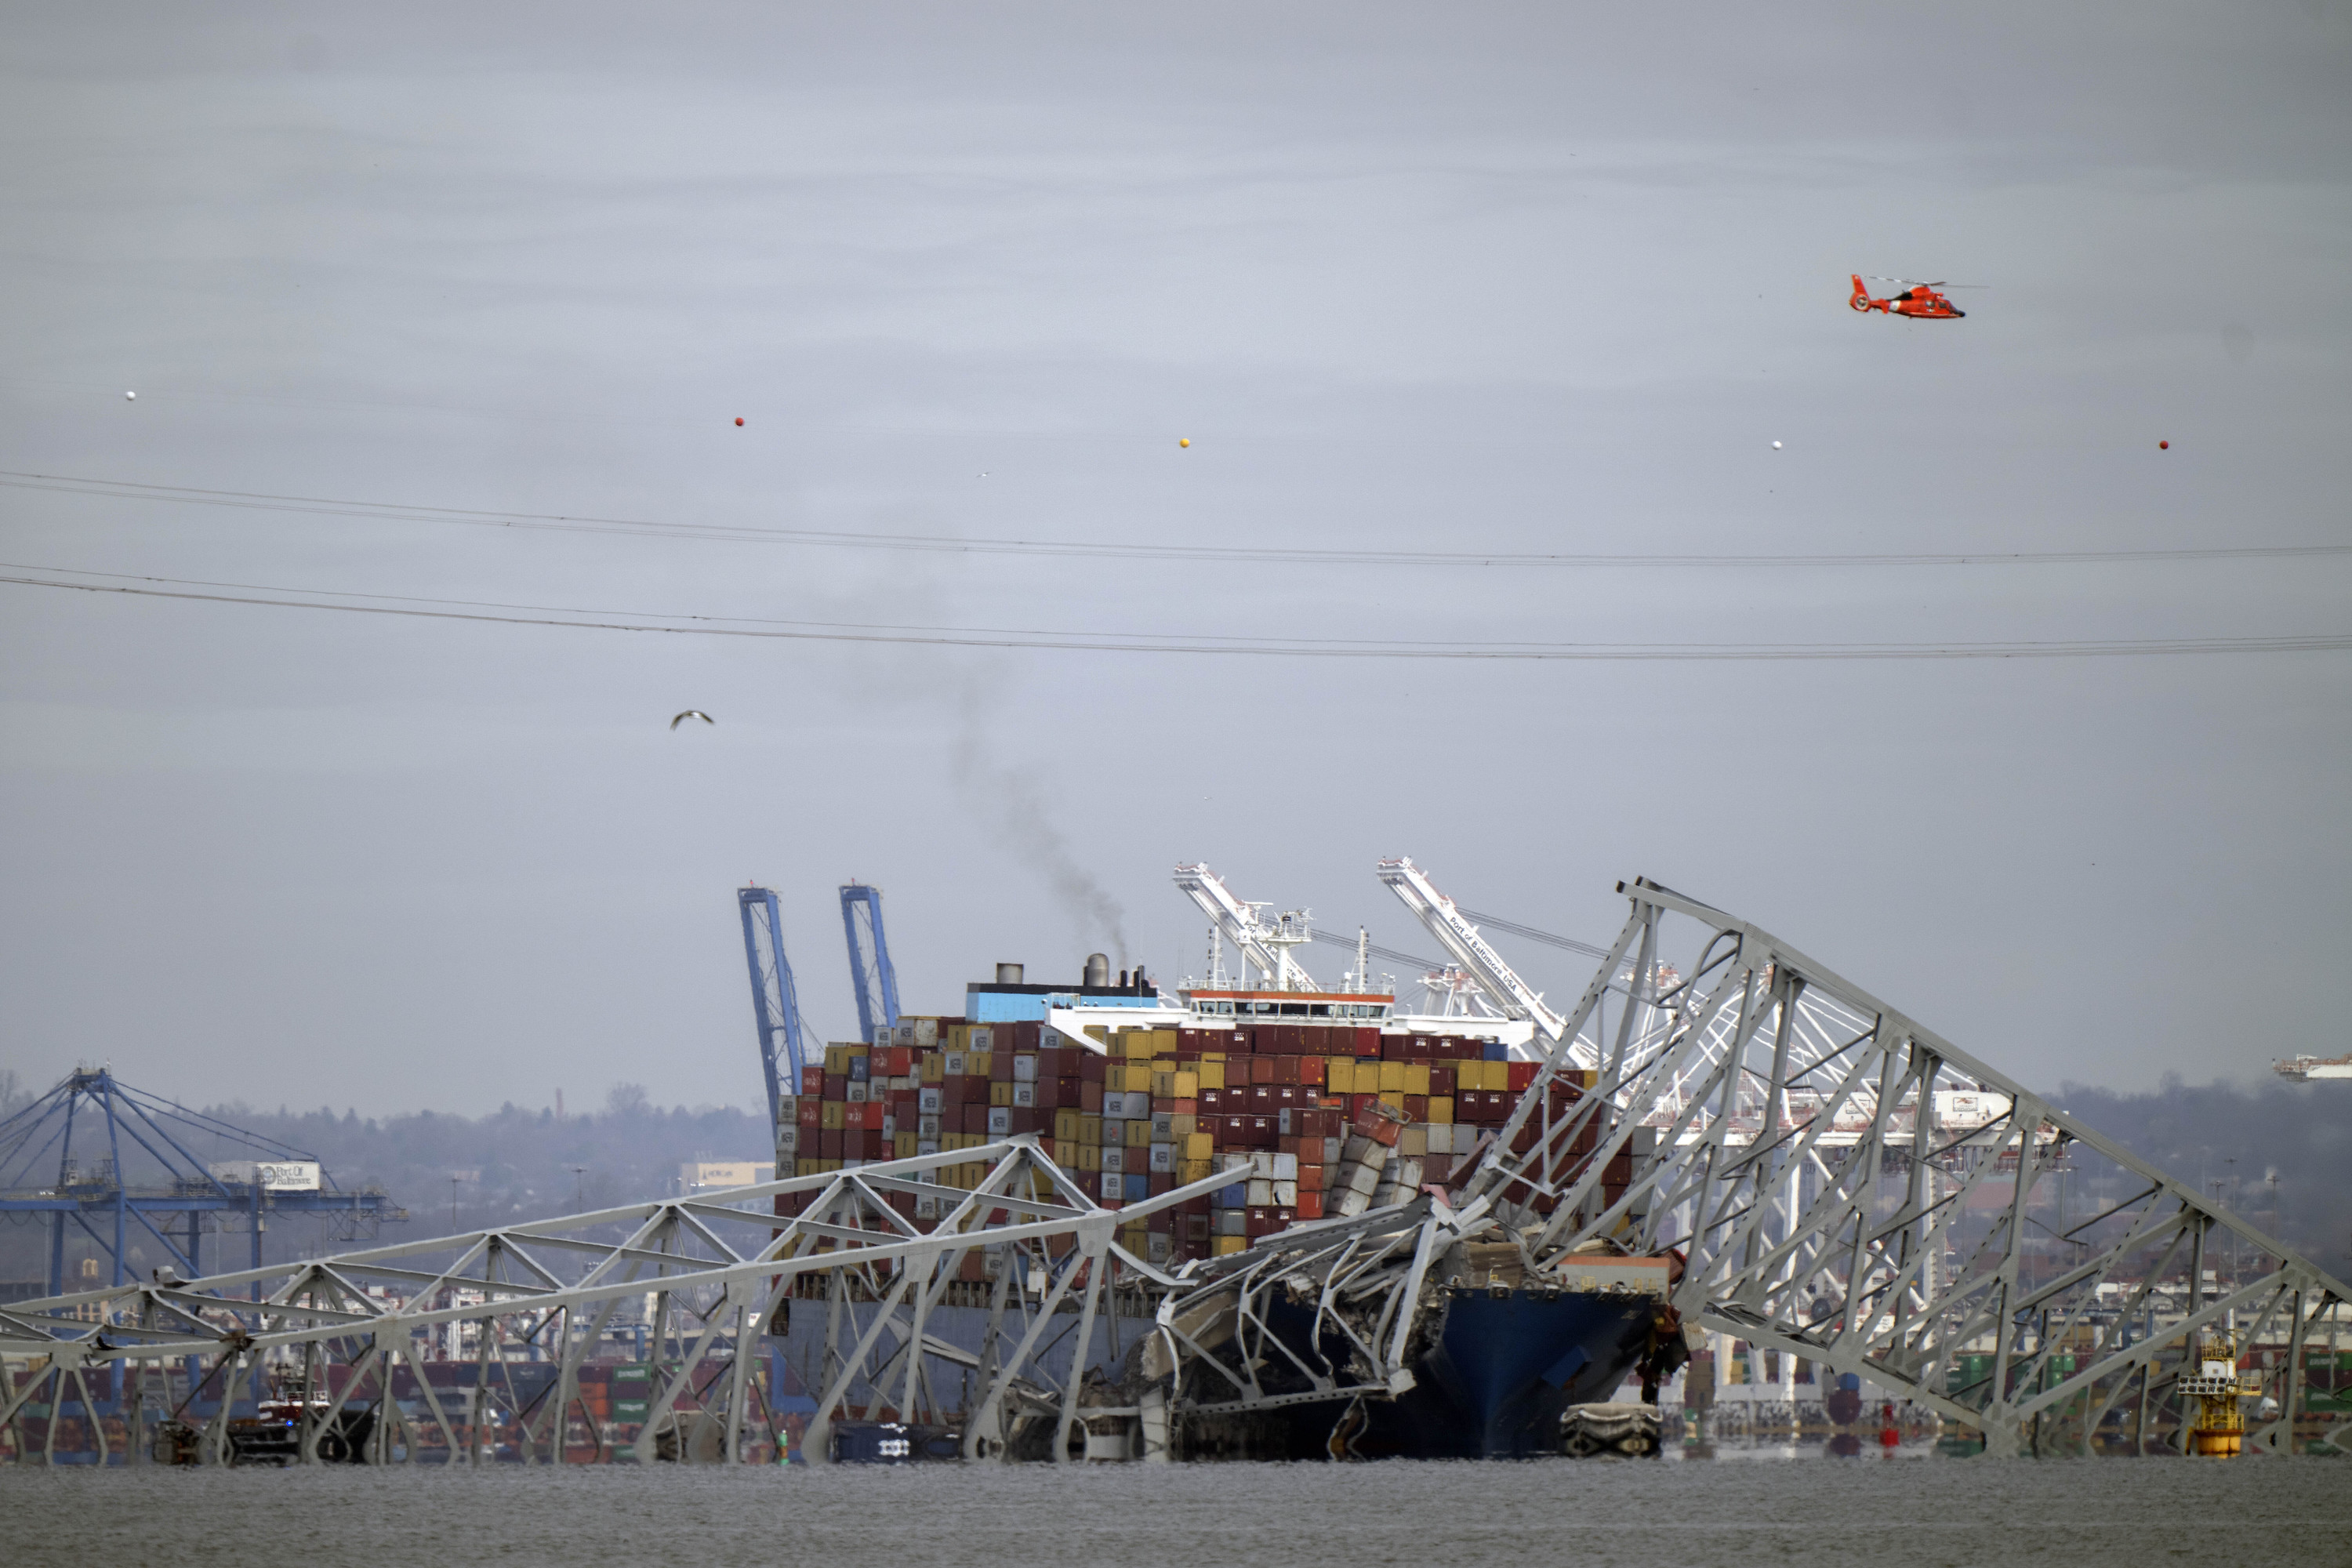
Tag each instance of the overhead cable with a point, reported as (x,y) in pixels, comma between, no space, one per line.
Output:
(415,607)
(842,539)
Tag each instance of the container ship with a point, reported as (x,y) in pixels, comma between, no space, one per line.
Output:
(1323,1107)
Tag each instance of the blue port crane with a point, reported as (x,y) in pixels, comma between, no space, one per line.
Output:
(123,1167)
(775,1003)
(871,979)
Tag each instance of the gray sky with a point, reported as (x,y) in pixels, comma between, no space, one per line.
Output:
(1528,280)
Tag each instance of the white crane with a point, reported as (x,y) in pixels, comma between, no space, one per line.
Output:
(1462,941)
(1264,946)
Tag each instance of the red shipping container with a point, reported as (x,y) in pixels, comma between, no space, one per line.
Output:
(1263,1130)
(1024,1034)
(1162,1183)
(1256,1223)
(1440,1077)
(1090,1068)
(828,1143)
(1312,1173)
(1283,1070)
(1261,1071)
(1262,1102)
(836,1086)
(1090,1096)
(1310,1070)
(1310,1205)
(1182,1107)
(1416,1107)
(1522,1074)
(812,1080)
(809,1112)
(1232,1131)
(975,1118)
(999,1066)
(1029,1119)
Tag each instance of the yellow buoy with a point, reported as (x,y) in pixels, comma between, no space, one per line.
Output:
(1183,440)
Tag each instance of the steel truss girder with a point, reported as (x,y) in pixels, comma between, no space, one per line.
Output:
(1785,1077)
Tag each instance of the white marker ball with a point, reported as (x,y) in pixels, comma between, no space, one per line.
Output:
(130,397)
(1776,446)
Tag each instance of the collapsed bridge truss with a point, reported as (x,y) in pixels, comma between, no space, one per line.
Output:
(1840,1182)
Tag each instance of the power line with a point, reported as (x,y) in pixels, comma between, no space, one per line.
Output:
(1337,939)
(1532,935)
(415,608)
(394,511)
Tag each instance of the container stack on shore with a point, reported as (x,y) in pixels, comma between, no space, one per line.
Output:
(1312,1122)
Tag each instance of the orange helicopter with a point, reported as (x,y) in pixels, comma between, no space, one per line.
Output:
(1917,301)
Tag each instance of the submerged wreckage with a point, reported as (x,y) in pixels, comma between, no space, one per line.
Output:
(1746,1143)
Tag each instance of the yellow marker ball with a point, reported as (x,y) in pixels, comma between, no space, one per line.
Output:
(1183,440)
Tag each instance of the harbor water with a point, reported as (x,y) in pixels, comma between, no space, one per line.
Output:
(1755,1507)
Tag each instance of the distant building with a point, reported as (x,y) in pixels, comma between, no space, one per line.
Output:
(705,1175)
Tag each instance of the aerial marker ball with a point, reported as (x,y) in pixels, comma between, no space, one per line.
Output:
(2163,445)
(739,422)
(1183,440)
(1776,446)
(130,397)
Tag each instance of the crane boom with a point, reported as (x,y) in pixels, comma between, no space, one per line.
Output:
(1411,884)
(871,979)
(1265,947)
(775,1003)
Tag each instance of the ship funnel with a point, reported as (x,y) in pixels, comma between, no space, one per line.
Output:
(1008,974)
(1098,971)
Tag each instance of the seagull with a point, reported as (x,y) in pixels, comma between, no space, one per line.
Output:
(692,713)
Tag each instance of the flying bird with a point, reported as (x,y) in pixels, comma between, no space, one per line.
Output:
(692,713)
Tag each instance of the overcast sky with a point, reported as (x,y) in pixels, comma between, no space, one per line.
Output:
(1512,278)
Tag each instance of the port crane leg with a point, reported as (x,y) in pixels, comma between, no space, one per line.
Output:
(872,980)
(775,1002)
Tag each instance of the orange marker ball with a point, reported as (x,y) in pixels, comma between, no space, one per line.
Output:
(1183,440)
(739,422)
(2163,445)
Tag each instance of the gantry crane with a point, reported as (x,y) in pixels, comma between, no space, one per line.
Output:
(871,979)
(775,1003)
(1502,984)
(1265,946)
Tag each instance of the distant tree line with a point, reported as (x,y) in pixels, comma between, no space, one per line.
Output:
(464,1174)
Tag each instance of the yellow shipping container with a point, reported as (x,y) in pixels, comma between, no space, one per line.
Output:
(1390,1079)
(1212,1073)
(935,1067)
(1089,1156)
(1339,1077)
(903,1144)
(1188,1085)
(830,1115)
(1139,1134)
(805,1167)
(1182,1123)
(1090,1130)
(1416,1078)
(1441,1108)
(1191,1171)
(1394,1098)
(1225,1246)
(1135,1078)
(1000,1094)
(1065,1127)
